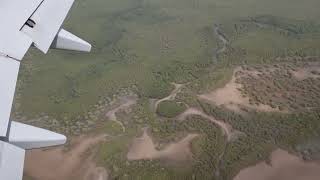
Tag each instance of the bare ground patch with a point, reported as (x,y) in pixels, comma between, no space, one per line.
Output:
(143,148)
(284,166)
(307,72)
(231,97)
(59,164)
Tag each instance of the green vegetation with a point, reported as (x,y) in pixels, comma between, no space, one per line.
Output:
(289,86)
(289,26)
(141,47)
(264,132)
(112,128)
(170,109)
(207,149)
(149,44)
(25,177)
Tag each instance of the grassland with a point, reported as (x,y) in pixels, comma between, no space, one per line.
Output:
(142,47)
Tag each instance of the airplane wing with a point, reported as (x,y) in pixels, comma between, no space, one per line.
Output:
(11,161)
(25,23)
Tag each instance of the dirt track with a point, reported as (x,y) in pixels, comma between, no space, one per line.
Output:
(172,96)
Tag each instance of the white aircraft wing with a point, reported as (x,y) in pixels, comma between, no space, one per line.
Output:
(8,77)
(25,23)
(11,161)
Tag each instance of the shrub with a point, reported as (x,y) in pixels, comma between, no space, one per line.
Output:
(170,109)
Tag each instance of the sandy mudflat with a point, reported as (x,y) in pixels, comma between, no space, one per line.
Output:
(284,166)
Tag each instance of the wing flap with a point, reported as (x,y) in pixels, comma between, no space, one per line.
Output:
(11,161)
(48,19)
(13,15)
(15,44)
(9,70)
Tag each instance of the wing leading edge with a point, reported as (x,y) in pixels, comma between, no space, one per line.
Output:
(24,23)
(9,69)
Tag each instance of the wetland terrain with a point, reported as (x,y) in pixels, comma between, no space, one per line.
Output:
(179,89)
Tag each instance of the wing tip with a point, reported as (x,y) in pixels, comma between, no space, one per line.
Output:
(29,137)
(68,41)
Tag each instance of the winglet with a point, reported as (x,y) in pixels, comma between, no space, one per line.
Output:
(29,137)
(68,41)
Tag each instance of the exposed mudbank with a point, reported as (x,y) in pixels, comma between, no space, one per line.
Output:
(143,148)
(60,164)
(307,72)
(230,96)
(283,166)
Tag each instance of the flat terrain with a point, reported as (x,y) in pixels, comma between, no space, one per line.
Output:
(56,164)
(143,148)
(282,166)
(183,89)
(231,97)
